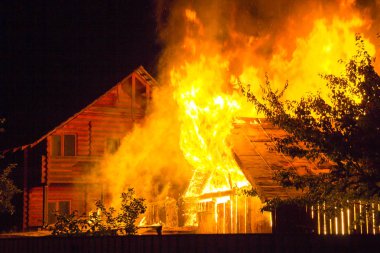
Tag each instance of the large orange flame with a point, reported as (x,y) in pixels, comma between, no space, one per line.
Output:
(209,51)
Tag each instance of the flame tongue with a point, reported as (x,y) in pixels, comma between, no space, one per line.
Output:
(208,48)
(206,113)
(207,65)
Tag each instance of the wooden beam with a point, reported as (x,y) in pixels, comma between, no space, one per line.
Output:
(133,95)
(25,192)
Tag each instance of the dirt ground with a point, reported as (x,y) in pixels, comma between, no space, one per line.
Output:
(27,234)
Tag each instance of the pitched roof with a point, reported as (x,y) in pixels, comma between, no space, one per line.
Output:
(251,139)
(140,71)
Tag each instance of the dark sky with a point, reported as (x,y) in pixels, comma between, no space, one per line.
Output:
(58,56)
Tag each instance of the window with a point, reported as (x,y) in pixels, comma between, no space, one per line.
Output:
(112,145)
(63,145)
(69,145)
(56,145)
(62,207)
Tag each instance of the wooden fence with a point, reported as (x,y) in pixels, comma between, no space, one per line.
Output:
(236,243)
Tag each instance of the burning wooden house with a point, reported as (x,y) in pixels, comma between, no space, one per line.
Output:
(60,174)
(56,165)
(211,50)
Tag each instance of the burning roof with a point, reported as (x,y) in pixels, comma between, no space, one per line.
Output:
(251,141)
(211,50)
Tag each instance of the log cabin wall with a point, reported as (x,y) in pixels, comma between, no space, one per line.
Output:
(76,147)
(96,128)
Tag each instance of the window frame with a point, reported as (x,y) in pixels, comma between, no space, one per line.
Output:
(107,149)
(56,203)
(62,144)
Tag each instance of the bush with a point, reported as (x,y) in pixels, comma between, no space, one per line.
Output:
(103,222)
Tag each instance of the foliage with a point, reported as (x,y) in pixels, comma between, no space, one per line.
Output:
(131,208)
(7,190)
(103,222)
(7,187)
(247,191)
(339,133)
(68,224)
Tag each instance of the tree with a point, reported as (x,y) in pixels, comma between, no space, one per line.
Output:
(131,208)
(7,190)
(341,131)
(7,187)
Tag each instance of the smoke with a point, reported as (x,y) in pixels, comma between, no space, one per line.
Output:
(149,157)
(268,26)
(246,39)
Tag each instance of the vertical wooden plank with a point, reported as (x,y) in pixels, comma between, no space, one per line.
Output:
(93,245)
(172,243)
(211,242)
(15,245)
(59,245)
(99,244)
(89,137)
(232,243)
(118,244)
(40,244)
(165,246)
(2,246)
(156,244)
(9,246)
(148,244)
(182,243)
(25,191)
(45,191)
(197,241)
(140,243)
(128,247)
(148,94)
(133,92)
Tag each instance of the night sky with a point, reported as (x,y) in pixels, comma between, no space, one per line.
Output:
(58,56)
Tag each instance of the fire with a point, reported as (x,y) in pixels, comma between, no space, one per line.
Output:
(210,52)
(206,112)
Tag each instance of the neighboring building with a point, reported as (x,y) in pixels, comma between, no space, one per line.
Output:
(55,166)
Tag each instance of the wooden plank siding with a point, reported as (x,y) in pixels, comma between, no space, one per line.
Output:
(61,177)
(111,116)
(81,197)
(35,217)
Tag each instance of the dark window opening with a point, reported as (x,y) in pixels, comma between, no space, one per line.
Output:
(57,207)
(51,212)
(56,145)
(69,145)
(112,145)
(64,207)
(63,145)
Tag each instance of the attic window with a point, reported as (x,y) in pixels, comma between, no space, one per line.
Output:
(63,145)
(56,145)
(69,145)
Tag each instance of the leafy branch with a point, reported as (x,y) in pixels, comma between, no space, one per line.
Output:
(104,221)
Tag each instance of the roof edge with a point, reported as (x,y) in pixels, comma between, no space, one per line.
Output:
(140,71)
